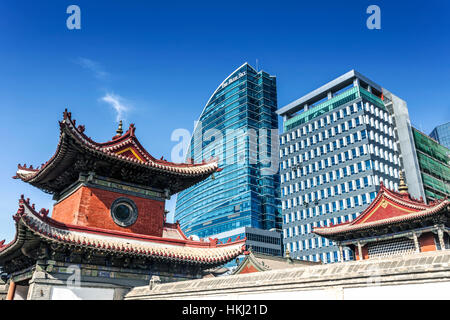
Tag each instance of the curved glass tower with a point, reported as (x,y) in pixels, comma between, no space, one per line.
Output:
(238,126)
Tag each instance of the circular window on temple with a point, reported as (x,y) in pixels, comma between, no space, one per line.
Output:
(124,212)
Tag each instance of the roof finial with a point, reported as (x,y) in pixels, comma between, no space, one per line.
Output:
(119,131)
(402,187)
(288,256)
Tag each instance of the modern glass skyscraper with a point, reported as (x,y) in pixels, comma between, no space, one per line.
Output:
(239,126)
(442,134)
(339,143)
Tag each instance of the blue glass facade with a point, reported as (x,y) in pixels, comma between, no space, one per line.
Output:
(442,134)
(235,127)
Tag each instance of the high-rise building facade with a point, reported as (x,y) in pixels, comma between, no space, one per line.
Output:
(238,126)
(339,143)
(442,134)
(434,163)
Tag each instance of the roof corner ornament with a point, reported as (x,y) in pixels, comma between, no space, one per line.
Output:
(91,176)
(167,193)
(44,213)
(132,129)
(154,281)
(67,115)
(213,241)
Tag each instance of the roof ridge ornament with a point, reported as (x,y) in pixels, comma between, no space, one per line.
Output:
(402,187)
(288,256)
(119,130)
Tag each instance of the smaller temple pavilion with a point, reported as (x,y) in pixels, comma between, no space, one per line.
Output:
(258,262)
(107,231)
(394,223)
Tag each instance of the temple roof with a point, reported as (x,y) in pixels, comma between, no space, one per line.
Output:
(258,262)
(123,158)
(388,209)
(33,227)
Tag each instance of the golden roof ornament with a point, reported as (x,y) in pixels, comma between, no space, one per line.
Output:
(119,131)
(402,187)
(288,256)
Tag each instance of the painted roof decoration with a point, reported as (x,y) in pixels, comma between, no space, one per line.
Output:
(123,157)
(173,246)
(388,209)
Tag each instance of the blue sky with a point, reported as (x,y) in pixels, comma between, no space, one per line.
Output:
(162,62)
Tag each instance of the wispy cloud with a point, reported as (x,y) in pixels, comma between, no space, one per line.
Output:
(92,66)
(118,103)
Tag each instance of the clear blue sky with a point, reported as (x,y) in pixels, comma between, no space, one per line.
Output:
(163,61)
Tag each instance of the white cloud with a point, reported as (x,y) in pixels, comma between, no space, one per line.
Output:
(93,66)
(117,103)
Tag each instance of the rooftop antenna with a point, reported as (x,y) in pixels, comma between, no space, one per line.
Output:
(257,65)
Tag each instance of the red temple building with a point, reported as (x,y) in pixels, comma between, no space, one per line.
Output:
(107,232)
(394,223)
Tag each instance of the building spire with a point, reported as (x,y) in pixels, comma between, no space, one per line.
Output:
(402,187)
(119,131)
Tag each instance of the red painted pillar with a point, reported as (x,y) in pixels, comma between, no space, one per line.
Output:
(11,290)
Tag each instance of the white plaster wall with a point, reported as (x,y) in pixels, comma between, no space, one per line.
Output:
(435,291)
(422,291)
(67,293)
(21,292)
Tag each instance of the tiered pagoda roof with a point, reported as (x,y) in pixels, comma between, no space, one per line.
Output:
(389,212)
(122,158)
(35,228)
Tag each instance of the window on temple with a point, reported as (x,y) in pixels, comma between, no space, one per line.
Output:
(124,212)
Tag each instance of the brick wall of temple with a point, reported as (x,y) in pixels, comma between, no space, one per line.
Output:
(90,207)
